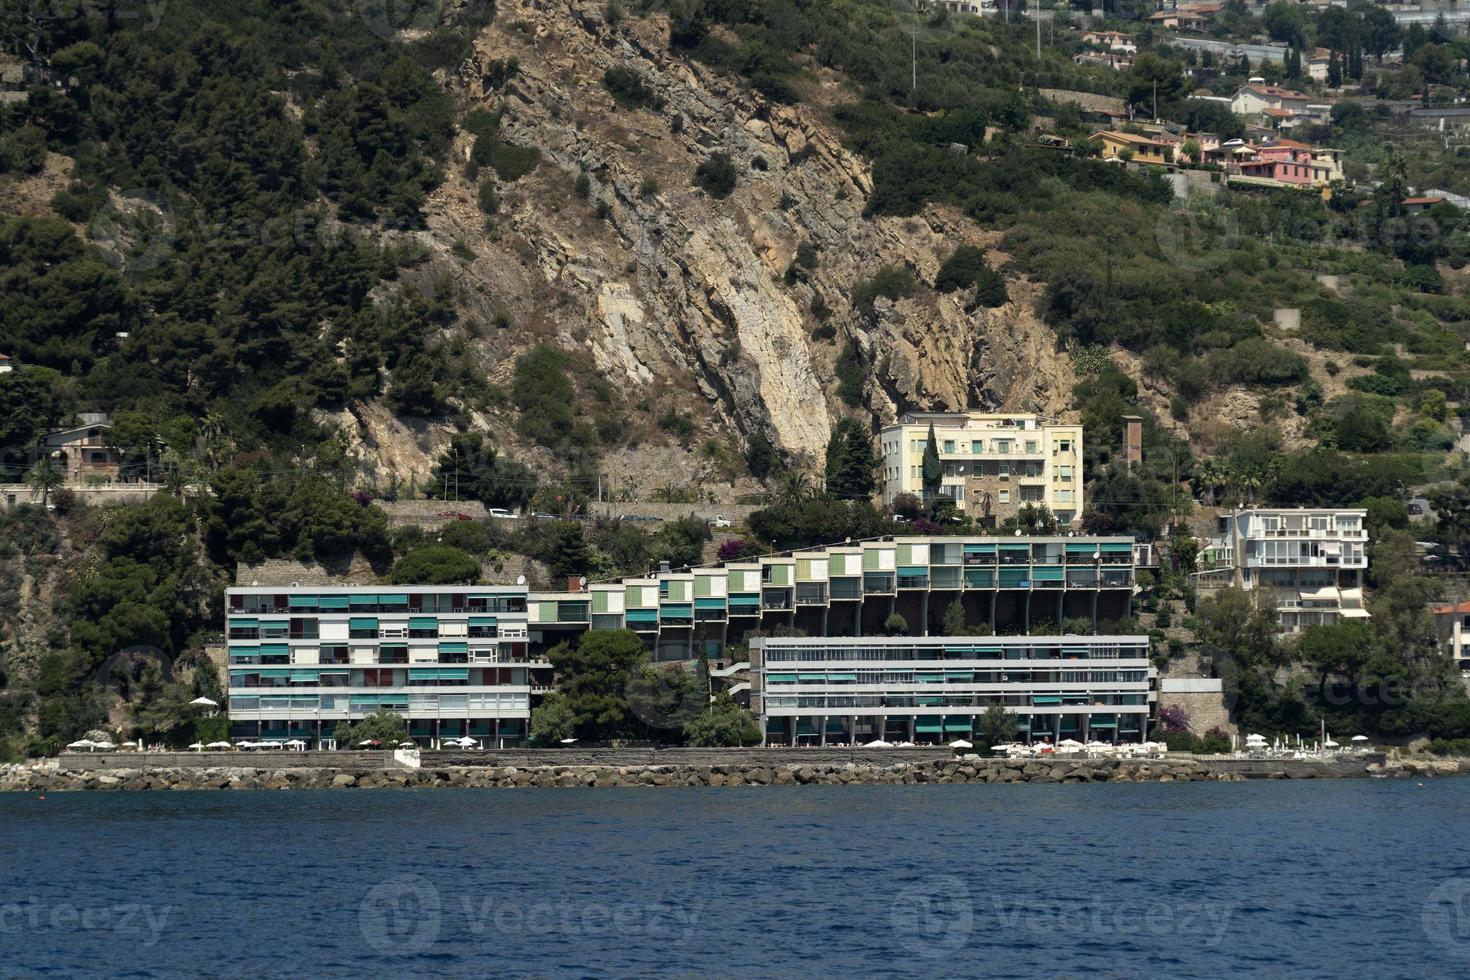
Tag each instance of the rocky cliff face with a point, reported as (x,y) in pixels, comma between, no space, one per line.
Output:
(680,298)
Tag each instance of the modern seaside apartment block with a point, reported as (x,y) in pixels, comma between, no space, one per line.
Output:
(460,661)
(1313,561)
(824,690)
(1012,584)
(992,463)
(453,661)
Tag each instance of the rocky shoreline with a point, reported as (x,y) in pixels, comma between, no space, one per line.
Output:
(952,771)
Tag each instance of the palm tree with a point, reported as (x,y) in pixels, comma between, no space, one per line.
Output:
(794,487)
(44,477)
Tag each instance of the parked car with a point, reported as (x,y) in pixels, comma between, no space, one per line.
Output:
(503,514)
(720,520)
(454,516)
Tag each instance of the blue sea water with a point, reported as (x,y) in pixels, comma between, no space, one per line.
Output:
(1323,879)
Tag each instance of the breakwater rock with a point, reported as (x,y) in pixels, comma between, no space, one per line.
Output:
(1420,767)
(22,779)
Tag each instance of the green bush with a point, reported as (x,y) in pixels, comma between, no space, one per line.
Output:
(961,270)
(716,175)
(542,391)
(628,89)
(513,162)
(893,282)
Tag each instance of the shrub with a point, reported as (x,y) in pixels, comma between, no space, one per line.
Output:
(543,393)
(583,185)
(512,162)
(961,269)
(1257,361)
(488,197)
(892,282)
(628,89)
(716,175)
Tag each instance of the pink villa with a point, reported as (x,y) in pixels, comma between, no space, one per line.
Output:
(1285,160)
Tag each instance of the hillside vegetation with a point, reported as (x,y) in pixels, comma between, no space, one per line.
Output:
(307,256)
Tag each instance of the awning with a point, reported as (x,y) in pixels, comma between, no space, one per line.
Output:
(817,678)
(454,648)
(363,623)
(244,624)
(362,600)
(642,615)
(1330,547)
(928,678)
(332,602)
(1047,573)
(302,602)
(709,603)
(781,678)
(1329,593)
(423,623)
(1355,614)
(305,675)
(913,571)
(928,726)
(842,677)
(959,675)
(957,724)
(484,621)
(745,600)
(274,650)
(393,599)
(1046,699)
(1118,546)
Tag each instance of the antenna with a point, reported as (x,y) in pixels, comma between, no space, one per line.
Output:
(914,51)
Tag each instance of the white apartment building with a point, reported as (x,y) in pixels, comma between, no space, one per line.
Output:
(1313,560)
(992,463)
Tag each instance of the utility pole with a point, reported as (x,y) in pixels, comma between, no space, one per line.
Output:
(914,51)
(1036,14)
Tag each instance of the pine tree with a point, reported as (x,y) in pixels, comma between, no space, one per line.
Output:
(1294,63)
(933,471)
(1355,63)
(851,463)
(1334,72)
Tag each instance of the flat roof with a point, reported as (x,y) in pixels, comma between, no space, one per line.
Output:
(895,641)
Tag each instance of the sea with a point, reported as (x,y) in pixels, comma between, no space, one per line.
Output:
(1340,878)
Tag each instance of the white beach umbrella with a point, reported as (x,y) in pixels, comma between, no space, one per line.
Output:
(205,703)
(960,743)
(1359,738)
(567,741)
(1330,744)
(1069,744)
(406,745)
(878,743)
(219,745)
(197,746)
(905,745)
(103,745)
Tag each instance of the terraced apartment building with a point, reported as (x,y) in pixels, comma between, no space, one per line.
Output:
(461,661)
(992,464)
(824,691)
(1012,584)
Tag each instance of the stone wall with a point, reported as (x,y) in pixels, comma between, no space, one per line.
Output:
(1205,710)
(735,513)
(428,514)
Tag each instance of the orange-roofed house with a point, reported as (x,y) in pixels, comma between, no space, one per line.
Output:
(1413,205)
(5,365)
(1453,622)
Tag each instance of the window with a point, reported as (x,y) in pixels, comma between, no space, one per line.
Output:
(949,445)
(1005,496)
(977,446)
(1031,445)
(1066,472)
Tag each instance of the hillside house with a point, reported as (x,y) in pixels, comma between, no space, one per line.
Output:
(1130,146)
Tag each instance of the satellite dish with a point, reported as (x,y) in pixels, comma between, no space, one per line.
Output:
(582,581)
(520,580)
